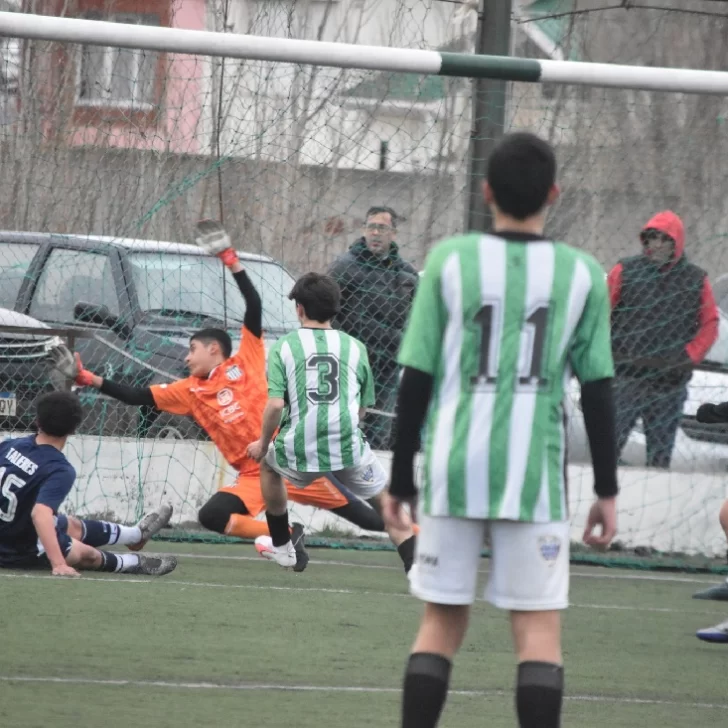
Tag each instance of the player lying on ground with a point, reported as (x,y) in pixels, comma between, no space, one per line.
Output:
(715,414)
(497,324)
(35,478)
(225,394)
(324,378)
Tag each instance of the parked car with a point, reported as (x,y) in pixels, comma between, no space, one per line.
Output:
(138,302)
(26,369)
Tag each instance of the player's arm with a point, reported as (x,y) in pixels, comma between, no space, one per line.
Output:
(419,355)
(50,496)
(213,239)
(277,386)
(591,358)
(366,381)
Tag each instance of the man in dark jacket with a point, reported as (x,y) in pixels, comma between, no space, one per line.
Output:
(377,287)
(664,321)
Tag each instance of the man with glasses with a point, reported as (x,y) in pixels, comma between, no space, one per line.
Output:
(377,287)
(664,321)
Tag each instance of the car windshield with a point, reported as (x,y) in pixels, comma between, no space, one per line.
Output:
(181,285)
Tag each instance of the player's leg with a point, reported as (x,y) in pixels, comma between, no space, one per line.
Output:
(539,553)
(720,591)
(445,576)
(661,418)
(227,513)
(369,481)
(105,533)
(87,558)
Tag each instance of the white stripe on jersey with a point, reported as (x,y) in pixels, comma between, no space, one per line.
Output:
(492,257)
(581,284)
(353,398)
(452,296)
(540,262)
(294,405)
(333,345)
(311,435)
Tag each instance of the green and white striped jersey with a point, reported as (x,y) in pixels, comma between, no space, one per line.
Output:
(325,377)
(500,325)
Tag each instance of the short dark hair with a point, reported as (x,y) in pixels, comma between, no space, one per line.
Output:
(58,414)
(521,171)
(318,294)
(379,209)
(208,336)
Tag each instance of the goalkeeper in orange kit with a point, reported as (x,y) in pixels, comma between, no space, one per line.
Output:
(226,393)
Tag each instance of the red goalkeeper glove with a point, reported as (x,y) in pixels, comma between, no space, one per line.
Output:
(214,240)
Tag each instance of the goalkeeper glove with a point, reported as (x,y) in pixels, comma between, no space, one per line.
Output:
(70,366)
(214,240)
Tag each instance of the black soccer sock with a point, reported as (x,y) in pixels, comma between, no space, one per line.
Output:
(539,694)
(279,529)
(425,689)
(407,553)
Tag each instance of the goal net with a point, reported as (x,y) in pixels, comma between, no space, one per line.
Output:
(103,147)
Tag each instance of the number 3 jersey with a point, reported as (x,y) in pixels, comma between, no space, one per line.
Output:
(324,376)
(29,474)
(501,325)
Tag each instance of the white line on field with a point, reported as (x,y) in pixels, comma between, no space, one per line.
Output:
(596,573)
(334,689)
(121,579)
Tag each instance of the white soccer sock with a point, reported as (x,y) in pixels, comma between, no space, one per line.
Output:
(127,535)
(125,562)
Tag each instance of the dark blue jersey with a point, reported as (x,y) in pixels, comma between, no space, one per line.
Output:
(29,474)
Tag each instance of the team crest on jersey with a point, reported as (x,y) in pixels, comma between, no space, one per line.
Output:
(224,397)
(368,475)
(234,372)
(549,546)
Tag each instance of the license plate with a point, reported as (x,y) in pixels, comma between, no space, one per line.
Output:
(7,404)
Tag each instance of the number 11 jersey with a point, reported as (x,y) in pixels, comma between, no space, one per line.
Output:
(324,376)
(500,325)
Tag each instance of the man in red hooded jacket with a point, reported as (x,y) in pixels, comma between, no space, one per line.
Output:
(664,321)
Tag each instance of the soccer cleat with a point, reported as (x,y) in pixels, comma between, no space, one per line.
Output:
(155,565)
(284,556)
(298,544)
(718,593)
(151,525)
(717,634)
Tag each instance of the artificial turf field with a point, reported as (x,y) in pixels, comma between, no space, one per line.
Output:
(229,639)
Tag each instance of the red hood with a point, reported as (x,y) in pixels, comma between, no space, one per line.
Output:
(668,222)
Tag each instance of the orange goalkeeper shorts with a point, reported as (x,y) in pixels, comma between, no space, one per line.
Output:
(322,493)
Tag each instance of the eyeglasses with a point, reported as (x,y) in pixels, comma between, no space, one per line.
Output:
(375,228)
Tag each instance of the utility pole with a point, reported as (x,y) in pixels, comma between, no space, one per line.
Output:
(489,106)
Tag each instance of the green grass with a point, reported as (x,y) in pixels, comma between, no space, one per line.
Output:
(219,629)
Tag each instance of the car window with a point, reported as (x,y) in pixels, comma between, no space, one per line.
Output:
(174,284)
(15,259)
(71,276)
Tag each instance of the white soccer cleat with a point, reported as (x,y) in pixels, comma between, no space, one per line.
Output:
(284,556)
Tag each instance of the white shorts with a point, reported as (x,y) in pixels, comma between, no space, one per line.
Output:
(529,566)
(367,480)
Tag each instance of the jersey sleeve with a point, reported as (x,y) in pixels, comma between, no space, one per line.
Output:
(591,348)
(422,341)
(56,486)
(366,379)
(251,353)
(174,398)
(277,379)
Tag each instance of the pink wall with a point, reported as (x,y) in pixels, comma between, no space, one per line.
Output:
(180,130)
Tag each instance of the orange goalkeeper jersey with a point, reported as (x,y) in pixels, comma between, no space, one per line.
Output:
(228,405)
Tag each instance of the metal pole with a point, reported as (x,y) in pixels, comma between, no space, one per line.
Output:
(489,106)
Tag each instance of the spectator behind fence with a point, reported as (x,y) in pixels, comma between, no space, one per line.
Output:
(664,321)
(377,287)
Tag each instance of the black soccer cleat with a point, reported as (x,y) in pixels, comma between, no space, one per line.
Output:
(158,565)
(298,544)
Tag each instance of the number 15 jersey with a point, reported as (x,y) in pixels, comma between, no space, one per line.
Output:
(324,376)
(500,325)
